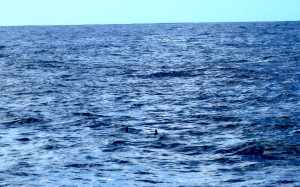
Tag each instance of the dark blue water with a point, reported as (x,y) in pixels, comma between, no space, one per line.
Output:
(225,99)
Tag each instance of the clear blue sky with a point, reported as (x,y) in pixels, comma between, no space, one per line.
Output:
(70,12)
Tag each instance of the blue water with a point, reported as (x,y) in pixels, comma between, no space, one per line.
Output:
(224,97)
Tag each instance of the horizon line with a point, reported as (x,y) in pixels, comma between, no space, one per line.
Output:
(150,23)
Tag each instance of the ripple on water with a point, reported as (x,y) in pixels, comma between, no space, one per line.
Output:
(225,113)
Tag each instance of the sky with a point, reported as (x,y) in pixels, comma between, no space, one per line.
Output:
(76,12)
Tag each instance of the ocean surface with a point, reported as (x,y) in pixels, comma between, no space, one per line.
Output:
(224,98)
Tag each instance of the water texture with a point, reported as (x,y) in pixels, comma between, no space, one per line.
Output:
(224,97)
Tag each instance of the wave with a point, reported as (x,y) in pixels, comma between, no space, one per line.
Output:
(261,149)
(171,74)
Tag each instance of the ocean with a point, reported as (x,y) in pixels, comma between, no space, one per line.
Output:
(79,105)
